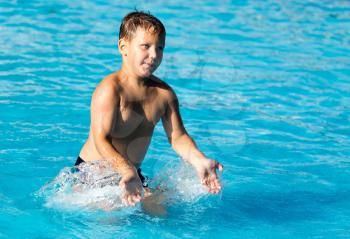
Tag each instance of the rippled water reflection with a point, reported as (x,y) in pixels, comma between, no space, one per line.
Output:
(263,87)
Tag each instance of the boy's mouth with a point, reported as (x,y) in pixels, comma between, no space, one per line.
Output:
(149,66)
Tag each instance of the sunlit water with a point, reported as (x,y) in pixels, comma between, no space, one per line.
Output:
(264,87)
(95,186)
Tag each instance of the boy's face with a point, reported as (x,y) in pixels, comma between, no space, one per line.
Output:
(143,53)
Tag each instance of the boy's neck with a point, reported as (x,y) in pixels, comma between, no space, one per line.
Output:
(136,86)
(131,80)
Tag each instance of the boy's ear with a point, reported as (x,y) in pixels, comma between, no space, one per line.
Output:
(122,46)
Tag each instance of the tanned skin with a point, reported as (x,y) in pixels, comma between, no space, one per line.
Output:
(125,108)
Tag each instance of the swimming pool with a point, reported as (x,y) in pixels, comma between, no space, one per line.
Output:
(264,87)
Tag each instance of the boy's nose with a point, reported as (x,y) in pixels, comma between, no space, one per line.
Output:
(153,53)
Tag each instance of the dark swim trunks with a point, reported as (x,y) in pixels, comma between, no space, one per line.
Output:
(143,178)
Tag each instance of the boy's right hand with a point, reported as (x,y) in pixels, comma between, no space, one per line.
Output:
(131,183)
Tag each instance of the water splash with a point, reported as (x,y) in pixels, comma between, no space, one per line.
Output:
(179,183)
(91,185)
(95,186)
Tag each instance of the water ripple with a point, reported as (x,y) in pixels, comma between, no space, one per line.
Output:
(263,87)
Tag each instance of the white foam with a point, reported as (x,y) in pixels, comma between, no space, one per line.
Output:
(180,183)
(95,186)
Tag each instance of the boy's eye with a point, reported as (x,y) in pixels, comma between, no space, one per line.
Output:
(145,46)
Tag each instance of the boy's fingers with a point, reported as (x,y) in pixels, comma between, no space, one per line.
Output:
(216,184)
(207,184)
(126,200)
(131,201)
(136,198)
(212,184)
(204,181)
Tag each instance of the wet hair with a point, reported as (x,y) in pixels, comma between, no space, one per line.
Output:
(136,19)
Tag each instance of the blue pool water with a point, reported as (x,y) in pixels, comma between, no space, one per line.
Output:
(264,87)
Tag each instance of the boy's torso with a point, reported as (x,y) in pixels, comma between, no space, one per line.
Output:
(133,123)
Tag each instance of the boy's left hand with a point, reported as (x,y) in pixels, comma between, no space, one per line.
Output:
(206,170)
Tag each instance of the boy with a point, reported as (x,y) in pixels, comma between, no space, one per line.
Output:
(127,104)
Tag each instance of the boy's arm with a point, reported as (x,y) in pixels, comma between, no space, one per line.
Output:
(186,148)
(103,107)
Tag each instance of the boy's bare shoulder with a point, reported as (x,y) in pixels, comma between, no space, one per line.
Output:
(107,93)
(164,90)
(110,81)
(108,88)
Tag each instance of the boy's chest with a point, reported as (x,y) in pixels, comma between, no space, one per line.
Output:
(137,116)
